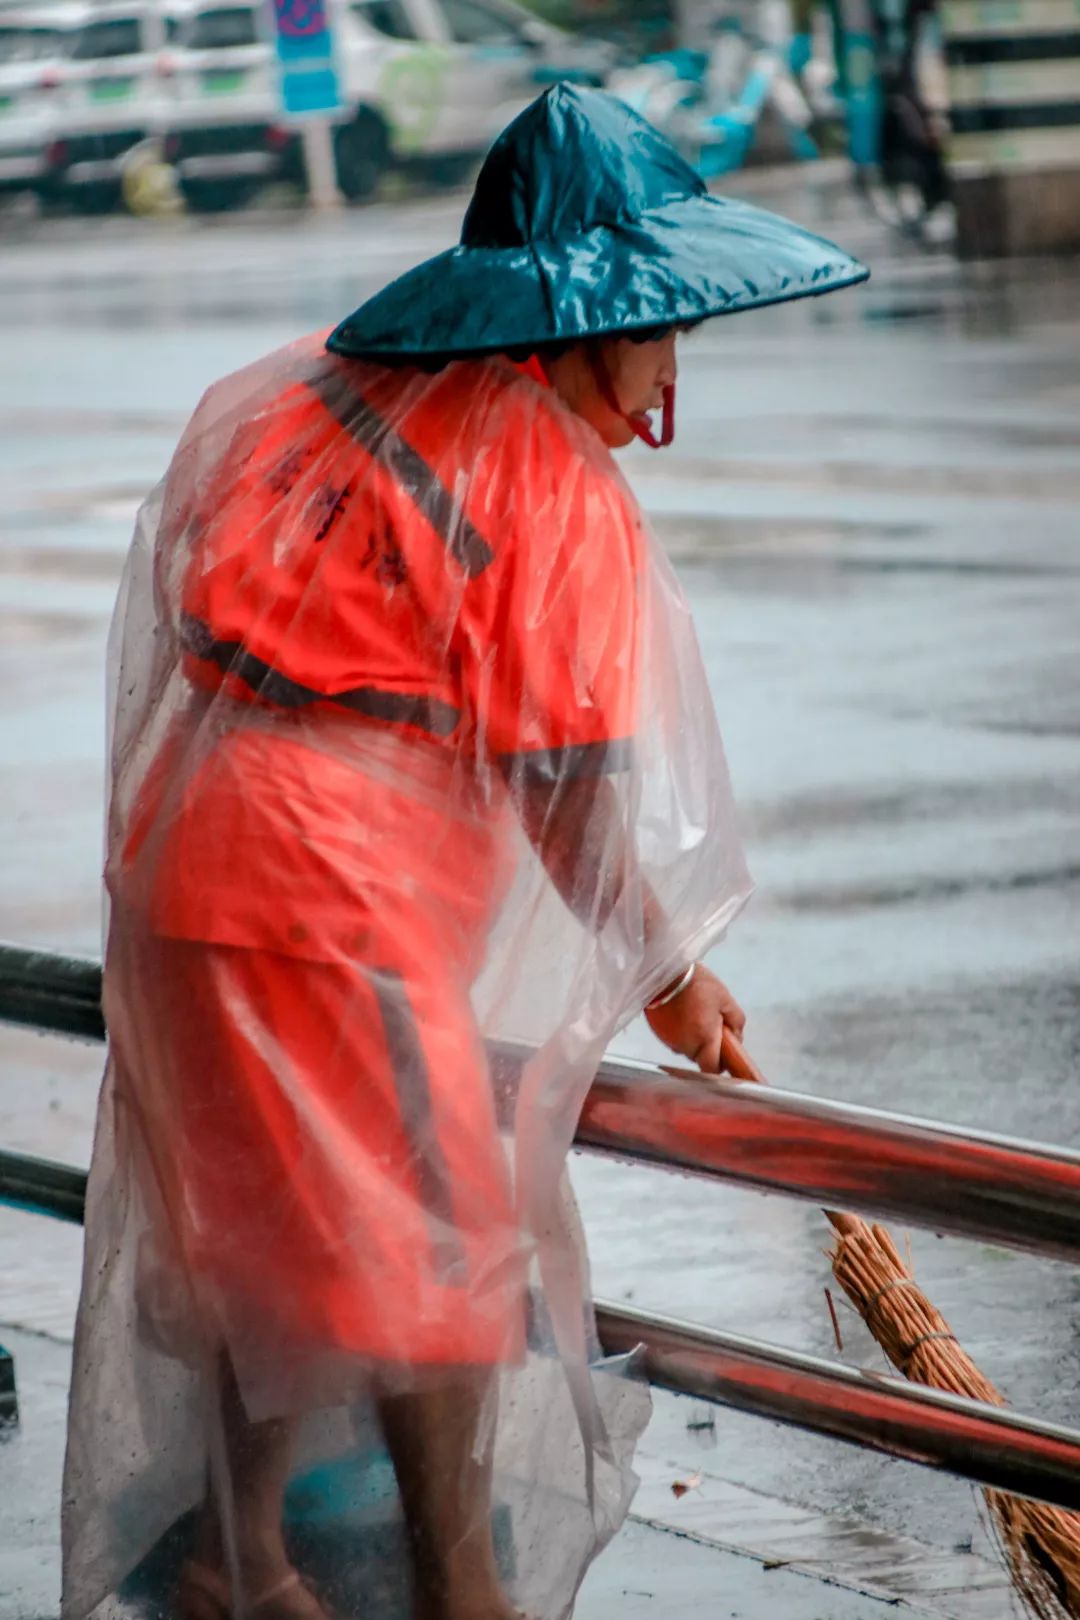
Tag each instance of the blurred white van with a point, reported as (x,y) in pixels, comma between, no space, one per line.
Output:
(430,80)
(33,43)
(112,92)
(224,134)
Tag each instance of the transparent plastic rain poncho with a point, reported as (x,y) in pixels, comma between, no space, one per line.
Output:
(417,797)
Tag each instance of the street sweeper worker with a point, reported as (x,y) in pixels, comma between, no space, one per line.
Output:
(417,797)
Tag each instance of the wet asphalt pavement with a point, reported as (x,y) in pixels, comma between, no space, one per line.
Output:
(873,503)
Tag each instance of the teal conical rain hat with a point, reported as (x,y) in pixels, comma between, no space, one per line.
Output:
(585,220)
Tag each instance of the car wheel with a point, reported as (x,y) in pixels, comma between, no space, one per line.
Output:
(361,155)
(97,197)
(452,168)
(52,199)
(216,196)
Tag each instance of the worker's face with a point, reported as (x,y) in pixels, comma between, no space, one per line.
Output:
(639,374)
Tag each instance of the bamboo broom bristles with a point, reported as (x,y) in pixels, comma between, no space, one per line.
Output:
(1040,1544)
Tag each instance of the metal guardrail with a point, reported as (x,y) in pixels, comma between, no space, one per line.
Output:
(977,1442)
(1017,1194)
(59,994)
(42,1187)
(1000,1190)
(879,1412)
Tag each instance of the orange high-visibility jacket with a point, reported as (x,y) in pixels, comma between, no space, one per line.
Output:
(464,578)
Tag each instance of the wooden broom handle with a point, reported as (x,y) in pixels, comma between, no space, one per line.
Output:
(741,1066)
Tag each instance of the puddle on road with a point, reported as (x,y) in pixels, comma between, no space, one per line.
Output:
(1011,435)
(697,478)
(694,538)
(1011,298)
(61,562)
(1030,728)
(955,567)
(23,627)
(31,422)
(805,815)
(920,891)
(893,314)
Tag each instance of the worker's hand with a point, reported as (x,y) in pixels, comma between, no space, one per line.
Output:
(693,1024)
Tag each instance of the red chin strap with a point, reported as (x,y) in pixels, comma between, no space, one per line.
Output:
(640,423)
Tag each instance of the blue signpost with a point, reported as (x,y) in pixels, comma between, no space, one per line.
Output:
(309,87)
(305,47)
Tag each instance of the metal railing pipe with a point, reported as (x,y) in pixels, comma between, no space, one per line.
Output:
(1022,1195)
(959,1436)
(59,994)
(42,1187)
(1018,1194)
(962,1437)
